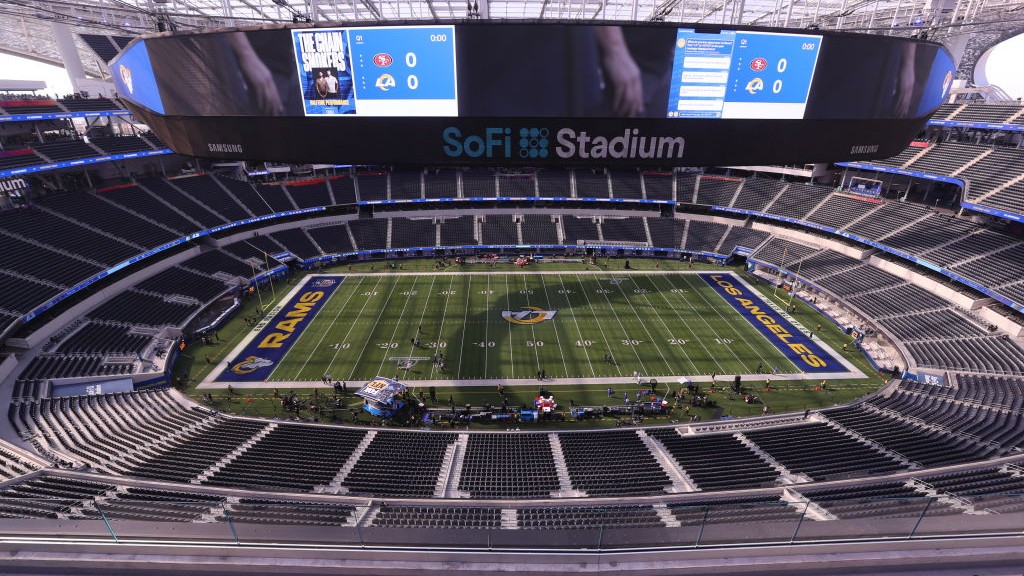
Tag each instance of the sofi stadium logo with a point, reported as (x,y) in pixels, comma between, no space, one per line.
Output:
(538,143)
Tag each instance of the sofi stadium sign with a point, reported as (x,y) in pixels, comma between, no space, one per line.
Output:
(566,143)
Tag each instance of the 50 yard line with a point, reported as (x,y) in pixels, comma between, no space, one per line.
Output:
(554,327)
(511,351)
(533,332)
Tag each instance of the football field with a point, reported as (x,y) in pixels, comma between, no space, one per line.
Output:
(513,325)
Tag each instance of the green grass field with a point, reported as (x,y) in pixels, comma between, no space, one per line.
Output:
(654,324)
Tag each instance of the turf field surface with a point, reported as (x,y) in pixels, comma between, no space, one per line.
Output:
(578,326)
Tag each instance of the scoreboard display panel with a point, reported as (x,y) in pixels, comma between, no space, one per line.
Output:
(377,71)
(733,74)
(617,93)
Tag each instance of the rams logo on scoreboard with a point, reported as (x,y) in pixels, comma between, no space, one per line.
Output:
(528,315)
(250,365)
(126,77)
(386,82)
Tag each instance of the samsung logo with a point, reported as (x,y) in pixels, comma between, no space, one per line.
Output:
(864,149)
(224,148)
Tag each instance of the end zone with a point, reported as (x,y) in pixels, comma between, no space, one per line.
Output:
(807,354)
(256,358)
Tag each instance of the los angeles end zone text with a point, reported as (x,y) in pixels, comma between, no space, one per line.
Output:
(511,326)
(796,345)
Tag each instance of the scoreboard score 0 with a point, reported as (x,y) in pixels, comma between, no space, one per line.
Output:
(733,74)
(377,71)
(441,93)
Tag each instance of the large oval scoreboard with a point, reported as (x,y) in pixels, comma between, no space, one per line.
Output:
(534,93)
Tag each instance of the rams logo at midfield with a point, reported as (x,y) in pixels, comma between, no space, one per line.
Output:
(528,315)
(250,365)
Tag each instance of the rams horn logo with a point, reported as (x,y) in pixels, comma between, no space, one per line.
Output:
(250,365)
(614,281)
(126,77)
(528,315)
(385,82)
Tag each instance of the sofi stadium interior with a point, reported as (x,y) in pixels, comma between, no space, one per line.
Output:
(421,287)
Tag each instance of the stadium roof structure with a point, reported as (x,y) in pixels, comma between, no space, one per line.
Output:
(26,25)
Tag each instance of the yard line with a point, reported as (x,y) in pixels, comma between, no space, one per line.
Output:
(644,326)
(736,331)
(366,341)
(349,332)
(465,315)
(732,326)
(662,320)
(487,325)
(554,327)
(533,331)
(577,323)
(430,291)
(612,309)
(704,319)
(313,352)
(511,347)
(688,329)
(398,323)
(444,313)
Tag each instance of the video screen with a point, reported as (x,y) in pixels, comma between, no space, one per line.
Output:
(510,70)
(742,74)
(381,71)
